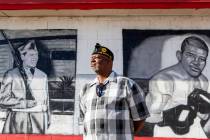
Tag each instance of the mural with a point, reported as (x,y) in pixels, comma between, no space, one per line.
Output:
(172,68)
(37,73)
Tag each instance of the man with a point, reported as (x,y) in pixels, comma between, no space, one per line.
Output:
(112,107)
(177,98)
(27,103)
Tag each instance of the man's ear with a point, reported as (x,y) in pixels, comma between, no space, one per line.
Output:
(179,55)
(22,56)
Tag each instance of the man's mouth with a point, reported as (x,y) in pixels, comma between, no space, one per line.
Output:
(195,69)
(92,64)
(34,62)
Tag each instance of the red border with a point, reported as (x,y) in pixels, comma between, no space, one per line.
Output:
(102,5)
(67,137)
(86,5)
(76,137)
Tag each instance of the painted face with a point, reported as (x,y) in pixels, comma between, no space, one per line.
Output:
(30,59)
(194,60)
(99,63)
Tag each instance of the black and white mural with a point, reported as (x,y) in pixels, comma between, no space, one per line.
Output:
(37,74)
(172,67)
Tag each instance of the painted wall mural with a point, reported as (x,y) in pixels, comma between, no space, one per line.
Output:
(37,73)
(172,67)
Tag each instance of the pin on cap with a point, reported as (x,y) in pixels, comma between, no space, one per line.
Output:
(99,49)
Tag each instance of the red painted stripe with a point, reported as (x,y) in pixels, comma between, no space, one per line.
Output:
(72,137)
(96,1)
(86,6)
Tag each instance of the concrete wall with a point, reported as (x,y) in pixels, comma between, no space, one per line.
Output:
(105,30)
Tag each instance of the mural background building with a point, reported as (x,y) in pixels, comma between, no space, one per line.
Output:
(108,27)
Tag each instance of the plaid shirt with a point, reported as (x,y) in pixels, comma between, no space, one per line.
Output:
(111,116)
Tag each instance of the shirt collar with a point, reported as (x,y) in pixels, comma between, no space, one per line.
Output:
(27,69)
(112,78)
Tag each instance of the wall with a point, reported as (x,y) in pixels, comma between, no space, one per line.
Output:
(105,30)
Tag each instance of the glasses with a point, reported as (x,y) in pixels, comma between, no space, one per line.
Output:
(99,90)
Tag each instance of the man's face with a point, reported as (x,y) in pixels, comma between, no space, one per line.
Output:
(193,60)
(100,63)
(30,59)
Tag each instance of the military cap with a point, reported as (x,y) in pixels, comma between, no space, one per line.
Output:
(29,45)
(99,49)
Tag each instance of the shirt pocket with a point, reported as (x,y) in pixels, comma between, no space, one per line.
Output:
(117,104)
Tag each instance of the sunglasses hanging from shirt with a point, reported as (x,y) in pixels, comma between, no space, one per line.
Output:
(99,90)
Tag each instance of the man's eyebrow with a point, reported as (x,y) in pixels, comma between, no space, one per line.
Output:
(190,53)
(203,57)
(195,54)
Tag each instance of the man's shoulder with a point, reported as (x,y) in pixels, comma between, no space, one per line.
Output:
(203,78)
(12,71)
(40,72)
(169,73)
(163,75)
(119,77)
(124,78)
(125,81)
(85,87)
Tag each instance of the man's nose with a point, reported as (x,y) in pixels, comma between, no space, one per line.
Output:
(34,58)
(93,60)
(196,61)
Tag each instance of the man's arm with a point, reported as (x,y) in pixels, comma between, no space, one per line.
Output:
(138,125)
(48,103)
(7,98)
(206,126)
(160,91)
(82,108)
(158,102)
(137,105)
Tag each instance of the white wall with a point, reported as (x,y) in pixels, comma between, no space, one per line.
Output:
(105,30)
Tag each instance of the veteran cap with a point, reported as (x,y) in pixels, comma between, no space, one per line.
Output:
(99,49)
(26,46)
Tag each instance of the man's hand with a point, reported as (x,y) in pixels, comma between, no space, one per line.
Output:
(200,100)
(30,103)
(138,125)
(179,119)
(27,103)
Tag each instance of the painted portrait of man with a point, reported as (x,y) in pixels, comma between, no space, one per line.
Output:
(177,86)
